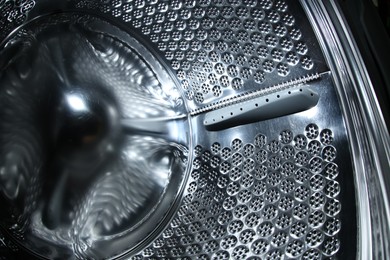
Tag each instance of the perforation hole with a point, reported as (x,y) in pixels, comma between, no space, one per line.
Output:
(274,146)
(229,203)
(331,246)
(300,142)
(301,193)
(261,156)
(279,239)
(332,189)
(329,153)
(283,221)
(272,195)
(260,247)
(274,162)
(220,255)
(249,150)
(265,229)
(252,220)
(240,252)
(233,188)
(260,140)
(300,211)
(287,152)
(295,248)
(247,181)
(240,211)
(228,242)
(274,254)
(332,207)
(317,200)
(269,212)
(314,238)
(286,136)
(287,186)
(237,159)
(260,172)
(326,136)
(316,219)
(235,174)
(287,169)
(298,230)
(256,204)
(286,203)
(273,178)
(332,226)
(226,153)
(235,226)
(314,147)
(247,236)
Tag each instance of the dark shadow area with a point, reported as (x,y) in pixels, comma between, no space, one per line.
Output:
(369,22)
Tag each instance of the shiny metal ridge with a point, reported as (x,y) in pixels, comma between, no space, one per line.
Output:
(189,129)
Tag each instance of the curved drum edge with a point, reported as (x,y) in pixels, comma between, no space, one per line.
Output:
(368,134)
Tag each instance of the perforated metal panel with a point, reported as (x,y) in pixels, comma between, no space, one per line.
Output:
(269,190)
(273,197)
(218,48)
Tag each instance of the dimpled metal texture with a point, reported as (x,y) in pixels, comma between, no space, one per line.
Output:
(269,196)
(276,197)
(107,196)
(221,47)
(13,13)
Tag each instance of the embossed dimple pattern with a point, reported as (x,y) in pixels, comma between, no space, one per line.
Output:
(12,14)
(219,47)
(284,204)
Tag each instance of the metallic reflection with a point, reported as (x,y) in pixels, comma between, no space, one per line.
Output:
(76,103)
(122,192)
(70,171)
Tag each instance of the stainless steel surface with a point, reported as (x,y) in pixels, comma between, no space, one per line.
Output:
(94,186)
(367,131)
(123,165)
(256,93)
(263,191)
(280,103)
